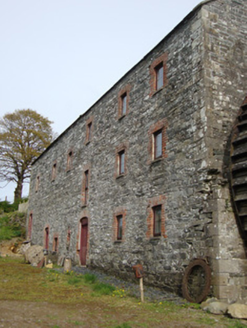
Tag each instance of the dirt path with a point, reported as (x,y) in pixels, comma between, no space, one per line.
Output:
(16,314)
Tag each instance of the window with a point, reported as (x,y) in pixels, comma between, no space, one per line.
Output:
(156,217)
(86,176)
(157,141)
(37,183)
(124,104)
(119,227)
(157,220)
(158,74)
(123,101)
(159,70)
(30,223)
(85,184)
(89,130)
(121,162)
(55,244)
(157,144)
(69,160)
(54,172)
(119,224)
(46,241)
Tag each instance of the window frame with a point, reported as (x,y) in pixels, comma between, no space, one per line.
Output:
(119,235)
(155,209)
(123,102)
(89,130)
(159,76)
(37,182)
(121,162)
(119,227)
(155,67)
(69,160)
(30,225)
(86,186)
(157,152)
(153,131)
(54,171)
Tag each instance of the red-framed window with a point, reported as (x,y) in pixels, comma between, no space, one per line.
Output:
(46,238)
(37,183)
(157,144)
(123,101)
(69,160)
(159,70)
(119,227)
(156,217)
(55,244)
(157,210)
(54,171)
(89,130)
(119,224)
(30,225)
(157,140)
(124,104)
(158,74)
(121,162)
(86,185)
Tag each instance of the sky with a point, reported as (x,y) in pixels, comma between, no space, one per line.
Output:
(58,57)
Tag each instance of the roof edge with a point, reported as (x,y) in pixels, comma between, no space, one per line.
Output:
(197,7)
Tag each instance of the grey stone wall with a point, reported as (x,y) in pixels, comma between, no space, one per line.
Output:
(225,60)
(205,87)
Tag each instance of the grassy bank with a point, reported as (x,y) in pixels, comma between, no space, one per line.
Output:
(12,225)
(70,300)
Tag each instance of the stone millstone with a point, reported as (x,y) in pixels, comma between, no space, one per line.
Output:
(34,254)
(238,311)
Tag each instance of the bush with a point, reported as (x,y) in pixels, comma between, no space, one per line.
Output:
(6,207)
(11,226)
(90,278)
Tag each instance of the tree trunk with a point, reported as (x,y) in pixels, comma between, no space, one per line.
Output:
(18,190)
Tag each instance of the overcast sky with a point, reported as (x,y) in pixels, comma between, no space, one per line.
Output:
(59,56)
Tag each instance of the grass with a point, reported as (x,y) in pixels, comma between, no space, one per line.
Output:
(72,300)
(11,225)
(102,289)
(90,278)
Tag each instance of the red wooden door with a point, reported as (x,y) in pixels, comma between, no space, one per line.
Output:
(84,233)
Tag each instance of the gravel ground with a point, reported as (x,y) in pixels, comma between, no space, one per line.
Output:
(150,293)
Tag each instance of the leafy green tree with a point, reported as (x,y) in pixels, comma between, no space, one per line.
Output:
(24,135)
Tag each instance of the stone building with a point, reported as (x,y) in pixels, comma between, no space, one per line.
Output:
(144,175)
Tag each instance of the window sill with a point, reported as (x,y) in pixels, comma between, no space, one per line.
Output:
(87,142)
(157,91)
(118,241)
(120,176)
(157,160)
(121,117)
(83,205)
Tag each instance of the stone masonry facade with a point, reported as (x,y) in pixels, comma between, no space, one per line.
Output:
(146,169)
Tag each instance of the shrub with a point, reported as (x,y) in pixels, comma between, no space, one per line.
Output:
(90,278)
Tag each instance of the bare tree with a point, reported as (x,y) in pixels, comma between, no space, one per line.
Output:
(24,135)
